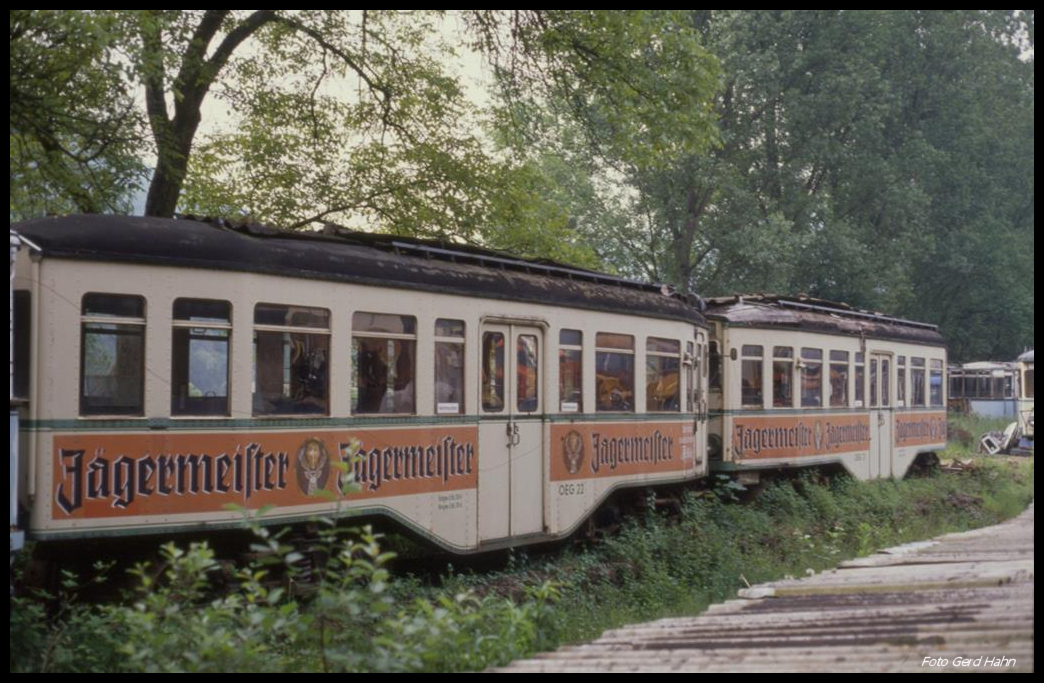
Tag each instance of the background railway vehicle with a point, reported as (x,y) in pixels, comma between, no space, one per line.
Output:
(985,388)
(799,381)
(1017,438)
(168,368)
(1025,369)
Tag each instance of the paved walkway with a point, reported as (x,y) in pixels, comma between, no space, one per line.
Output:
(957,603)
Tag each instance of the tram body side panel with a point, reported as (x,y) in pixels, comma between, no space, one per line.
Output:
(871,440)
(146,482)
(428,463)
(589,461)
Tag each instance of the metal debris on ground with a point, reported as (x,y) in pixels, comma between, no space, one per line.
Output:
(957,465)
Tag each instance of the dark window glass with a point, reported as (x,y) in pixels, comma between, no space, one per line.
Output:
(449,367)
(614,372)
(527,374)
(571,338)
(112,360)
(936,382)
(493,372)
(291,316)
(570,371)
(200,357)
(116,305)
(838,379)
(752,376)
(662,375)
(812,378)
(291,373)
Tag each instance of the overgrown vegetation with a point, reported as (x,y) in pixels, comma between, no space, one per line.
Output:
(362,619)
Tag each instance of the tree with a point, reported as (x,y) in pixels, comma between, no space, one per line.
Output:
(75,131)
(879,158)
(355,117)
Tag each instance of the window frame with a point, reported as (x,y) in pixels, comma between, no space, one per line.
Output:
(121,323)
(205,324)
(359,333)
(600,352)
(455,341)
(564,348)
(313,330)
(676,356)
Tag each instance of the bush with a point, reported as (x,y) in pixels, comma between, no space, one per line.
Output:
(359,618)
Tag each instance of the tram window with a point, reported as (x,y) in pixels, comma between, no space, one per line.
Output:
(112,360)
(936,385)
(873,383)
(714,366)
(752,375)
(449,366)
(200,350)
(384,363)
(783,377)
(22,319)
(860,379)
(614,372)
(662,375)
(886,386)
(917,380)
(838,379)
(1027,383)
(900,381)
(690,376)
(812,378)
(493,372)
(291,354)
(570,371)
(527,378)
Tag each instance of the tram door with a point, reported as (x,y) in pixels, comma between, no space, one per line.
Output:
(511,431)
(880,415)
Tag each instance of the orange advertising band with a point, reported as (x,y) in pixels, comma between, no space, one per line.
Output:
(790,437)
(123,475)
(583,451)
(918,429)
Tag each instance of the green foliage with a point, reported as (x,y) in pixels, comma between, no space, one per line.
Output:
(360,618)
(879,158)
(639,83)
(75,133)
(180,622)
(59,633)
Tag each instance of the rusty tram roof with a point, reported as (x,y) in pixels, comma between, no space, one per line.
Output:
(809,314)
(341,255)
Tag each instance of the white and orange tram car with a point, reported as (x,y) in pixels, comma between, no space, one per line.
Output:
(800,381)
(170,371)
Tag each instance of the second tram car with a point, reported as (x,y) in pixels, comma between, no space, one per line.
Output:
(801,381)
(168,368)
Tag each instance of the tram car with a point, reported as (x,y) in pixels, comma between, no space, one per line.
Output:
(171,371)
(1024,365)
(797,381)
(984,388)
